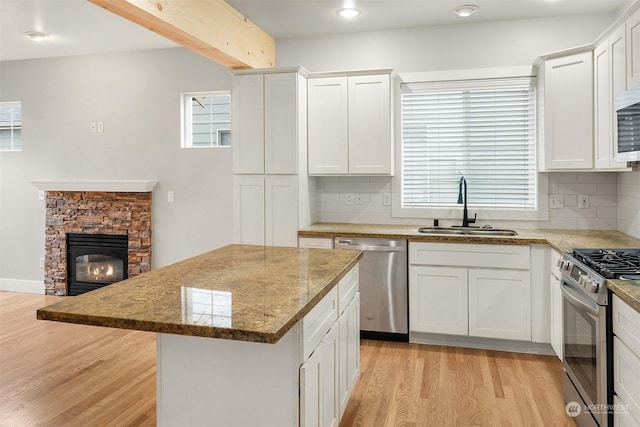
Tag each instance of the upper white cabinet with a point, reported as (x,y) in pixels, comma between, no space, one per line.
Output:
(350,128)
(610,78)
(633,49)
(267,122)
(567,93)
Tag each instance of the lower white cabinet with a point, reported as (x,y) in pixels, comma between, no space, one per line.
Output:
(626,362)
(555,306)
(467,289)
(500,304)
(318,384)
(265,210)
(331,369)
(439,300)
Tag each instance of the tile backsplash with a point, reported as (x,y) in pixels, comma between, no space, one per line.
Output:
(601,189)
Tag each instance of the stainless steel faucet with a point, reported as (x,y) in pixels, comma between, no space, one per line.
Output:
(465,214)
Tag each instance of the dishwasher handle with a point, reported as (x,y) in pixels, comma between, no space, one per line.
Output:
(346,244)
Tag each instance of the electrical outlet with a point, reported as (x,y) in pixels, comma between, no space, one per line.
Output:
(348,198)
(100,127)
(583,201)
(386,199)
(556,201)
(42,262)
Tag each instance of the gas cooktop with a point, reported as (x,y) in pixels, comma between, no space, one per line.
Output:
(611,263)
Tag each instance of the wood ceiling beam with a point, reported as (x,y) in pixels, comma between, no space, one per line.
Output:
(211,28)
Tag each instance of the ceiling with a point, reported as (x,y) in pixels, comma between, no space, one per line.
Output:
(78,27)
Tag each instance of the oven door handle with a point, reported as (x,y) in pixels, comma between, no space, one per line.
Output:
(578,300)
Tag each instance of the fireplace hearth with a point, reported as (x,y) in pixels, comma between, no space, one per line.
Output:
(95,260)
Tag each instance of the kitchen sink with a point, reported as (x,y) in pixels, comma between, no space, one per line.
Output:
(467,231)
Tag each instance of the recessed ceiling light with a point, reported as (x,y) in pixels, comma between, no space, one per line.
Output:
(348,12)
(36,36)
(466,10)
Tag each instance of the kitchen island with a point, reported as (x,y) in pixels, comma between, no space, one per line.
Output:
(267,309)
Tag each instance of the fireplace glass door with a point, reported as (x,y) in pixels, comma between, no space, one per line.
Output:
(99,268)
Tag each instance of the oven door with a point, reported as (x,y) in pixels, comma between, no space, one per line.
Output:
(585,348)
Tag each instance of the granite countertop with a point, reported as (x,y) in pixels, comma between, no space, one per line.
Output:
(560,240)
(239,292)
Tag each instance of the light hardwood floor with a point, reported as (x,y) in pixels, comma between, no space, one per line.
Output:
(56,374)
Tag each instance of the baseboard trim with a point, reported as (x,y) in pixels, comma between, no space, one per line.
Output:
(26,286)
(481,343)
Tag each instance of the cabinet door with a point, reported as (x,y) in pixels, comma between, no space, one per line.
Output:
(319,385)
(370,141)
(349,346)
(633,50)
(438,300)
(621,416)
(556,315)
(281,211)
(248,210)
(602,104)
(247,124)
(327,126)
(568,112)
(500,304)
(281,123)
(626,376)
(618,58)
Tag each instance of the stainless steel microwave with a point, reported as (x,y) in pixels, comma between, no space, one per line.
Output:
(628,125)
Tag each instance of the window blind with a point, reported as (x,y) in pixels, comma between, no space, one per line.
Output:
(482,129)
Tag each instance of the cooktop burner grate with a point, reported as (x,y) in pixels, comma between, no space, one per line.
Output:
(611,263)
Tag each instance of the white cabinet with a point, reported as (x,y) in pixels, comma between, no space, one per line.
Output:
(626,360)
(267,121)
(609,77)
(467,289)
(350,128)
(555,305)
(439,300)
(568,113)
(633,49)
(331,353)
(265,210)
(500,304)
(328,144)
(318,384)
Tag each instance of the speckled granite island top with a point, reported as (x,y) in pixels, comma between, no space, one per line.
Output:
(239,292)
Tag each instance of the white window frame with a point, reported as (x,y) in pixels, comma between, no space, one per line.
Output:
(12,127)
(541,211)
(186,117)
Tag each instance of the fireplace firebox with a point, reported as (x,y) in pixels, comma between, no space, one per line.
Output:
(95,260)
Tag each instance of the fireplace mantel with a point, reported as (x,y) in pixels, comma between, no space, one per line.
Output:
(124,186)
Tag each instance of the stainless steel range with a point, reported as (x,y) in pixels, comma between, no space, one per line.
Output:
(588,379)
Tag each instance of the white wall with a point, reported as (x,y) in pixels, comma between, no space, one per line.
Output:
(136,95)
(482,45)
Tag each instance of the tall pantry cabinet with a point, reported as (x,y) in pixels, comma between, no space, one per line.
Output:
(269,141)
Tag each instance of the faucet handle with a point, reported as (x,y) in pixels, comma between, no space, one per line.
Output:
(473,221)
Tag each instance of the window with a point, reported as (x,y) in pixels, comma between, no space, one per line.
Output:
(482,129)
(206,119)
(10,126)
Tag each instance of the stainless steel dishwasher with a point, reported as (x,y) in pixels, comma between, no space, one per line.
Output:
(383,287)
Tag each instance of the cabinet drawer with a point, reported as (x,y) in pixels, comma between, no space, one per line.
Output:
(470,255)
(626,376)
(318,322)
(626,324)
(315,242)
(347,289)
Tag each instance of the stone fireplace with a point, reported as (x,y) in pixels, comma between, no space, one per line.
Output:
(106,208)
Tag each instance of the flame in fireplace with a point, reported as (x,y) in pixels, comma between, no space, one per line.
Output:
(100,271)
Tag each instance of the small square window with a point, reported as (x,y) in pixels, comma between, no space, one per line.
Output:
(206,119)
(10,126)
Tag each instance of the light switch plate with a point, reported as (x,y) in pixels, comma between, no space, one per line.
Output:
(556,201)
(171,196)
(583,201)
(386,199)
